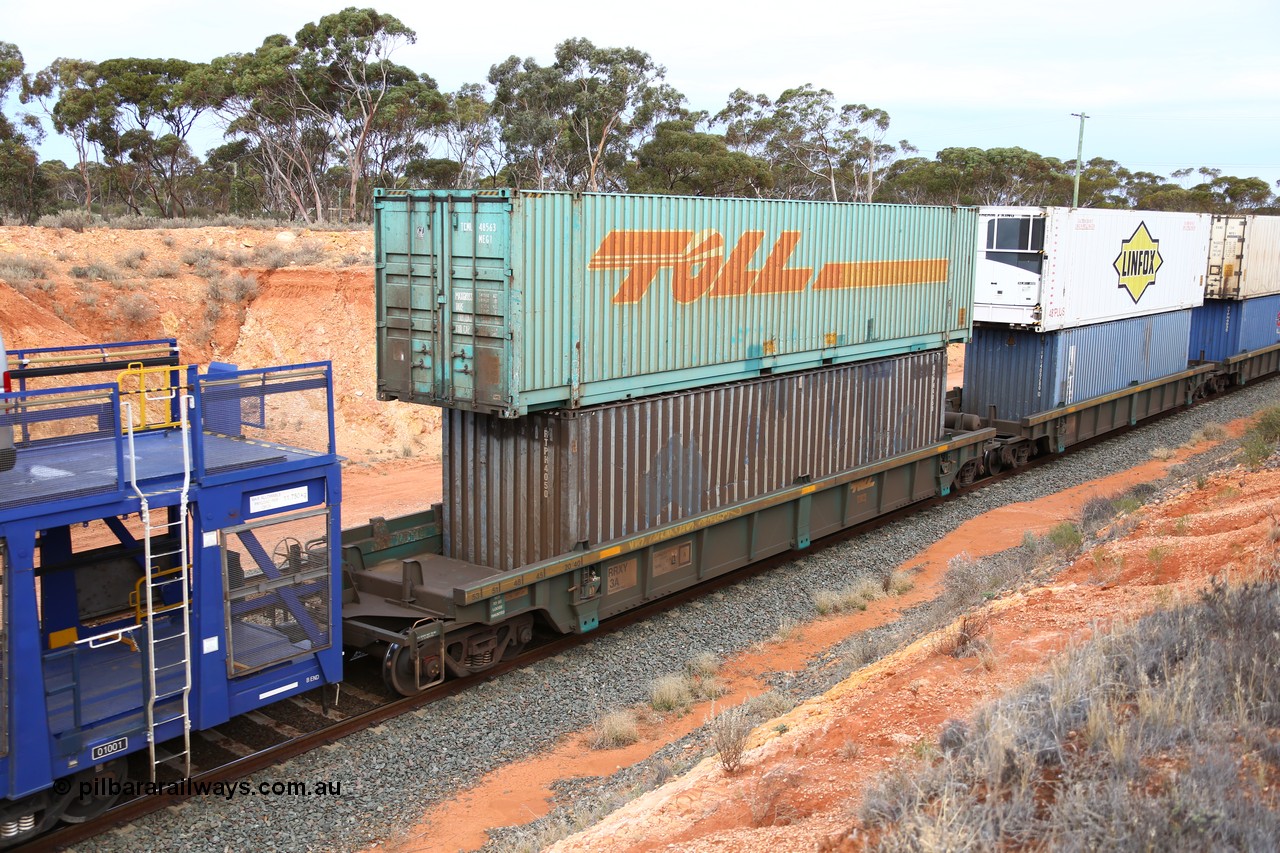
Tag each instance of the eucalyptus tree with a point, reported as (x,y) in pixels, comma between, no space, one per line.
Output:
(158,102)
(267,102)
(80,105)
(23,187)
(471,135)
(403,132)
(346,56)
(575,123)
(817,149)
(682,160)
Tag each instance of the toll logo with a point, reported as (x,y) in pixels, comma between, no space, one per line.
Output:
(1138,262)
(704,264)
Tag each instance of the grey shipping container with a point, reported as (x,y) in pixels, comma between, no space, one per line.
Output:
(1023,372)
(510,302)
(519,491)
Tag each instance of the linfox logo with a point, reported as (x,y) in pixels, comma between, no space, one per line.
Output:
(1138,262)
(700,266)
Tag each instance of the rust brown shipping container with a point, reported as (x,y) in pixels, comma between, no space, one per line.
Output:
(519,491)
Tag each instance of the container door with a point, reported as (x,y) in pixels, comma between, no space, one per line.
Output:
(443,288)
(474,341)
(1226,251)
(406,301)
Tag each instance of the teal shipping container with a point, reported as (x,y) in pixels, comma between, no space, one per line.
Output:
(507,302)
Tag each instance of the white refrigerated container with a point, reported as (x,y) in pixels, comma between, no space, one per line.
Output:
(1049,268)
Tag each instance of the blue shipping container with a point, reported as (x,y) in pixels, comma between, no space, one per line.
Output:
(1225,327)
(1023,372)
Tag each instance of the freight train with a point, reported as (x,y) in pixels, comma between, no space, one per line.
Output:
(640,393)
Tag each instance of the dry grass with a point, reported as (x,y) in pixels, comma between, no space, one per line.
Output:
(787,629)
(768,705)
(1161,736)
(1209,432)
(673,692)
(1163,453)
(703,665)
(615,729)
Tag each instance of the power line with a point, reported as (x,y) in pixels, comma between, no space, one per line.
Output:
(1167,117)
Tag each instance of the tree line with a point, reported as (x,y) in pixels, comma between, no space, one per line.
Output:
(314,122)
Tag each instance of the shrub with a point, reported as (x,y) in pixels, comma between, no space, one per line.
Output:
(1268,425)
(770,704)
(729,732)
(165,269)
(1065,536)
(201,257)
(133,258)
(298,254)
(1163,453)
(1255,449)
(1096,513)
(18,269)
(135,309)
(1148,738)
(75,220)
(1128,503)
(234,289)
(95,272)
(963,638)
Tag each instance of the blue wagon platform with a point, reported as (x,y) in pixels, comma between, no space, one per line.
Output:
(164,542)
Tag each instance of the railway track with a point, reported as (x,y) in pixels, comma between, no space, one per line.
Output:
(277,733)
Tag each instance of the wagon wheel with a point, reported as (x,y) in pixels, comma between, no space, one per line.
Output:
(85,807)
(398,672)
(994,465)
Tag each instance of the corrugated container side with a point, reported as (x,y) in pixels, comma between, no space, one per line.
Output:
(1225,327)
(1022,372)
(1097,266)
(512,302)
(1261,264)
(521,490)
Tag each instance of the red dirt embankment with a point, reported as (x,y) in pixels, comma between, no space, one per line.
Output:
(806,771)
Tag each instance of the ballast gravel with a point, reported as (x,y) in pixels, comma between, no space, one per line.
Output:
(391,775)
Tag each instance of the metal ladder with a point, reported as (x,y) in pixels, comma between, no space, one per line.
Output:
(154,584)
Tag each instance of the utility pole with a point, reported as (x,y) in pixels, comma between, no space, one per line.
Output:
(1075,193)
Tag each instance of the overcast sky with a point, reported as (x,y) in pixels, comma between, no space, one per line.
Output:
(1166,84)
